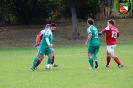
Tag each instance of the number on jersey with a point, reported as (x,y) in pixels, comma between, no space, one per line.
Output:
(114,34)
(96,34)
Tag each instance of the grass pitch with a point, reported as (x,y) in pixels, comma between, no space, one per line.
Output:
(73,67)
(72,72)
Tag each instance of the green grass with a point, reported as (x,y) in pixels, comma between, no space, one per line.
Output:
(72,72)
(71,55)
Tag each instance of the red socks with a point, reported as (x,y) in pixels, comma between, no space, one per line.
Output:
(53,59)
(108,60)
(117,60)
(38,62)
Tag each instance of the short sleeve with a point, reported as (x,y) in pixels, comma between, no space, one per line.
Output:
(89,31)
(107,28)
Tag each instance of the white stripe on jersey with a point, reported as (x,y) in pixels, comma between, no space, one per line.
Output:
(107,28)
(42,31)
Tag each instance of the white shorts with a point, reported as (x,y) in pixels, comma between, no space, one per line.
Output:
(110,48)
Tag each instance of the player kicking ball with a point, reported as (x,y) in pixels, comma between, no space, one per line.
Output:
(45,47)
(38,40)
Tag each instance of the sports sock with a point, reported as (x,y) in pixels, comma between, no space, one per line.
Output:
(35,62)
(53,59)
(95,58)
(117,60)
(91,62)
(108,60)
(38,62)
(49,61)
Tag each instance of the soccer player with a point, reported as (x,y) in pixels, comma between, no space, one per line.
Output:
(111,34)
(38,40)
(93,43)
(45,47)
(40,35)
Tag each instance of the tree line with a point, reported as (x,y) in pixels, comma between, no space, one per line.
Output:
(39,11)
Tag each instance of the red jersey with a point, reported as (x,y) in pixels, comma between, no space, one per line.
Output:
(40,34)
(111,34)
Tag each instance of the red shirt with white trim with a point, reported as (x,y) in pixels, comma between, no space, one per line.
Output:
(111,34)
(40,34)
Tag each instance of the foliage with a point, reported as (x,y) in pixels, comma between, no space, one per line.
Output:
(28,11)
(38,11)
(84,8)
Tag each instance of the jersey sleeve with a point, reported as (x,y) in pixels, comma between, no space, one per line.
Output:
(47,34)
(40,34)
(105,29)
(118,34)
(89,31)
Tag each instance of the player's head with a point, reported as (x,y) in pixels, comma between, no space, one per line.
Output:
(53,26)
(90,22)
(111,22)
(47,26)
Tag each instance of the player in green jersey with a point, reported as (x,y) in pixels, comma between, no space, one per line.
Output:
(45,46)
(93,43)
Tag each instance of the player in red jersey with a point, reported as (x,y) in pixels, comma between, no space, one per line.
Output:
(111,34)
(38,40)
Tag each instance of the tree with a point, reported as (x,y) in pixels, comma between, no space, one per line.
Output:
(79,9)
(74,18)
(71,4)
(27,11)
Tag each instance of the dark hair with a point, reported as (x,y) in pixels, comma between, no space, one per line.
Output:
(53,25)
(111,21)
(90,21)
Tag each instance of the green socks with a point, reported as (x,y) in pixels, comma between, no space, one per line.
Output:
(34,62)
(49,61)
(95,58)
(91,62)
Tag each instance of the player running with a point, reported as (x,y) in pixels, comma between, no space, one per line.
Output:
(45,46)
(111,34)
(93,43)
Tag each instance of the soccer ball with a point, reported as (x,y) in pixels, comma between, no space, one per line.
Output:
(48,67)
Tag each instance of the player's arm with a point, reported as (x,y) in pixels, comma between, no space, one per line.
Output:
(118,34)
(47,34)
(48,42)
(103,31)
(86,42)
(37,38)
(89,37)
(100,33)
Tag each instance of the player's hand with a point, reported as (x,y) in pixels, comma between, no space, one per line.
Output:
(86,44)
(35,45)
(100,33)
(51,45)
